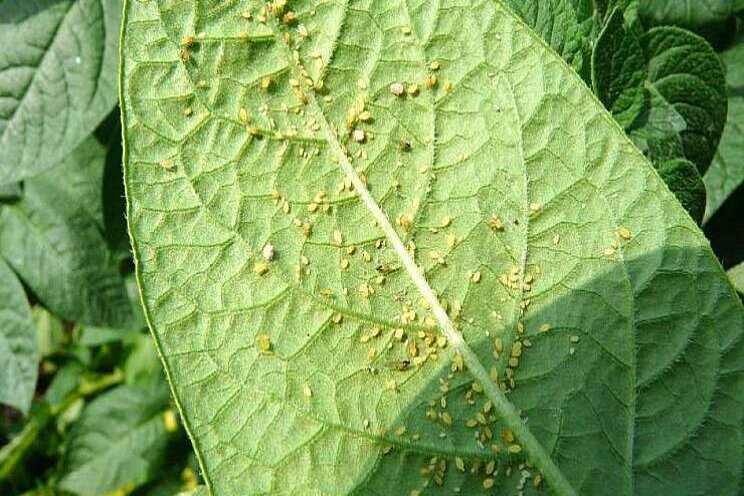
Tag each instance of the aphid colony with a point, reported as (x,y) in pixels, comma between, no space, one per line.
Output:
(414,349)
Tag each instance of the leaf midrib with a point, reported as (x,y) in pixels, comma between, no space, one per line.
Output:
(506,410)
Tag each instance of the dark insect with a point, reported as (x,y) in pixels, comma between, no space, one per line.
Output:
(400,365)
(386,268)
(405,145)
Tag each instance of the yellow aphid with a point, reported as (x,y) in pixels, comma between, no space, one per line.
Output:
(261,268)
(243,115)
(534,207)
(624,232)
(406,30)
(507,436)
(307,391)
(170,421)
(264,343)
(545,328)
(430,81)
(266,83)
(434,66)
(495,223)
(338,238)
(412,89)
(514,449)
(168,164)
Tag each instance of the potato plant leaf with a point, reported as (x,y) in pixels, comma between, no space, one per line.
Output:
(709,18)
(57,79)
(570,27)
(736,274)
(726,173)
(18,351)
(619,70)
(52,239)
(388,247)
(686,98)
(117,442)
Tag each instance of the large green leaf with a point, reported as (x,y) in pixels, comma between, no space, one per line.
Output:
(118,441)
(727,171)
(52,239)
(57,78)
(499,220)
(18,351)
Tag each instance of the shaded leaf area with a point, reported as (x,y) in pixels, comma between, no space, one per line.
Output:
(317,366)
(687,98)
(57,79)
(619,69)
(665,87)
(18,350)
(118,441)
(713,19)
(570,27)
(726,173)
(52,238)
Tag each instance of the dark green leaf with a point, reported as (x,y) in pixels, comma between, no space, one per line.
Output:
(709,18)
(57,79)
(570,27)
(726,173)
(685,181)
(117,442)
(619,69)
(52,239)
(686,101)
(18,351)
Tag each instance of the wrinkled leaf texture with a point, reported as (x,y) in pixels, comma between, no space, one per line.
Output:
(596,304)
(57,79)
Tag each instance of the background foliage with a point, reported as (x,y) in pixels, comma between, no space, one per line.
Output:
(87,408)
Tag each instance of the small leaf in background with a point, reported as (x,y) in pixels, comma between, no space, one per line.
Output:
(57,79)
(619,69)
(52,239)
(118,442)
(712,19)
(143,367)
(686,105)
(685,181)
(50,332)
(726,173)
(18,350)
(736,274)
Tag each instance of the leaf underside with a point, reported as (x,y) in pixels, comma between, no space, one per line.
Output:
(569,268)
